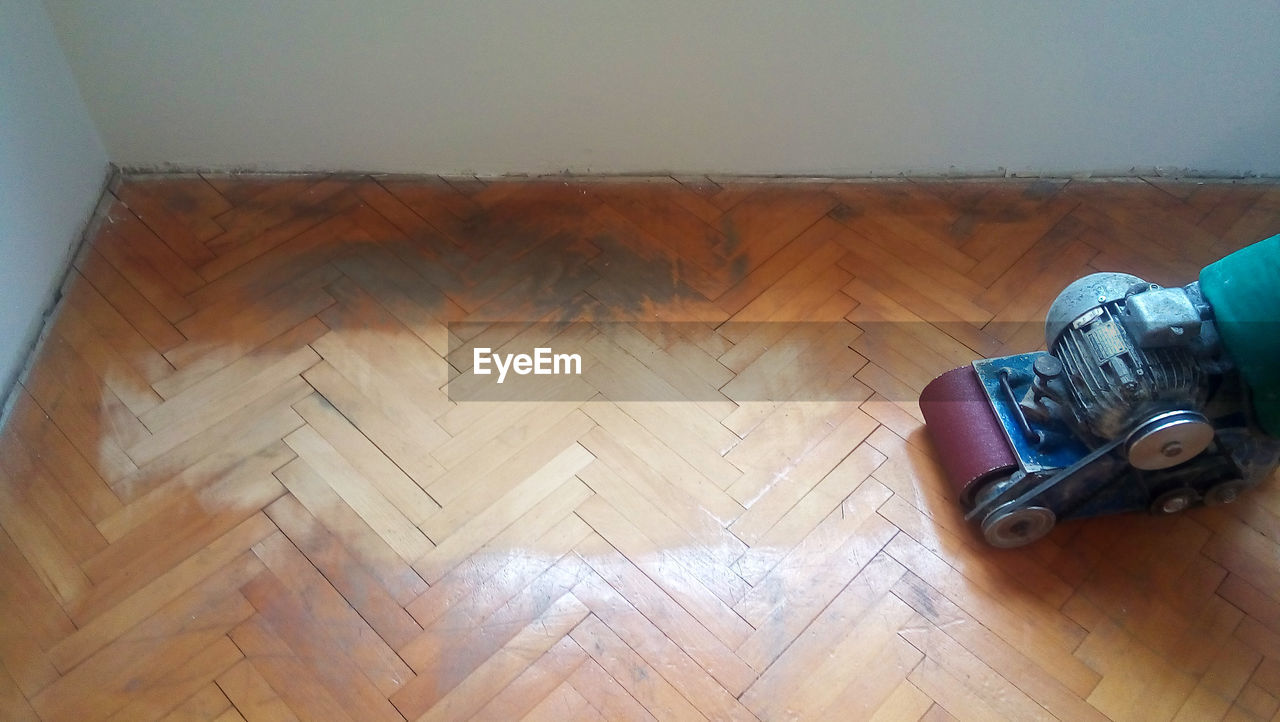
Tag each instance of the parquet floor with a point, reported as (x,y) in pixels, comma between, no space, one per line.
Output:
(236,486)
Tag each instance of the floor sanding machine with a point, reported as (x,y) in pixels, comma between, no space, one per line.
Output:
(1148,398)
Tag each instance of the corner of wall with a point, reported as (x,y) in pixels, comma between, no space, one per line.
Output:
(53,171)
(40,327)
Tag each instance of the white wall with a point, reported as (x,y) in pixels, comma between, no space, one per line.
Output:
(52,167)
(855,86)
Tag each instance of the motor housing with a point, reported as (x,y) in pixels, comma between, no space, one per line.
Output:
(1131,357)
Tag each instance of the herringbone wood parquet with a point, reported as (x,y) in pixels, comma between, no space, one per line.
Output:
(235,485)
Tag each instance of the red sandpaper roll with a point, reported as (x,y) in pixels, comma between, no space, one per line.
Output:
(971,445)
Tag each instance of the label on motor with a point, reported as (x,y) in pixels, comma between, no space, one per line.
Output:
(1107,340)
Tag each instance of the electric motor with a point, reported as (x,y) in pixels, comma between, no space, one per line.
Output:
(1128,351)
(1113,381)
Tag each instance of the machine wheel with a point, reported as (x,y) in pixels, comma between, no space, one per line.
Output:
(1172,502)
(989,490)
(1014,527)
(1169,439)
(1224,493)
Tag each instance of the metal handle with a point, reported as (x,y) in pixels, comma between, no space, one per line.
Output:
(1031,434)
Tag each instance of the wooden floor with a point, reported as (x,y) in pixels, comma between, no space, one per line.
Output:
(235,485)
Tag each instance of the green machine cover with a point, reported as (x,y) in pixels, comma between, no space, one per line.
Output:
(1244,290)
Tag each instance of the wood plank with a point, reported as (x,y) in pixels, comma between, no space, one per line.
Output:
(178,235)
(646,684)
(360,493)
(698,513)
(563,702)
(1050,650)
(38,540)
(382,379)
(38,496)
(499,670)
(252,695)
(546,532)
(444,659)
(260,439)
(863,670)
(116,370)
(151,549)
(494,470)
(242,245)
(154,326)
(332,626)
(806,514)
(301,255)
(181,684)
(396,486)
(92,637)
(768,694)
(945,617)
(105,682)
(206,704)
(795,591)
(94,419)
(406,443)
(147,263)
(336,626)
(356,584)
(221,396)
(189,203)
(32,620)
(666,570)
(708,560)
(605,695)
(223,333)
(682,671)
(58,456)
(535,683)
(364,543)
(269,411)
(770,498)
(557,477)
(287,351)
(300,690)
(665,613)
(666,462)
(341,675)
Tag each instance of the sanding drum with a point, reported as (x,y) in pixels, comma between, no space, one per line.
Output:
(971,443)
